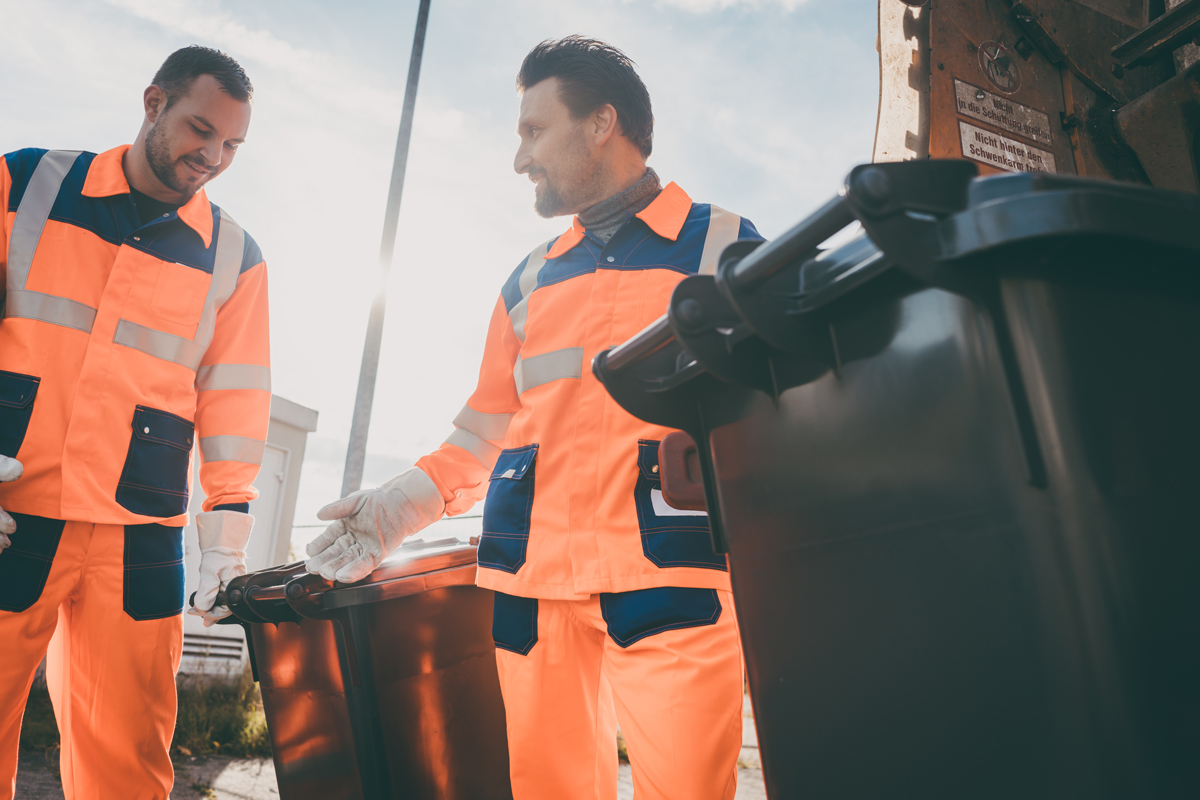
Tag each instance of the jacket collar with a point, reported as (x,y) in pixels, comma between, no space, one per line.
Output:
(106,178)
(665,216)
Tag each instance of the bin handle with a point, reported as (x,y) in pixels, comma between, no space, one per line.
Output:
(654,336)
(804,237)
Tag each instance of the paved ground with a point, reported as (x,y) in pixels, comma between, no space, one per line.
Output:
(221,778)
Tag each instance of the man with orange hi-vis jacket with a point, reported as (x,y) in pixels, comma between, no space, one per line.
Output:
(134,330)
(609,604)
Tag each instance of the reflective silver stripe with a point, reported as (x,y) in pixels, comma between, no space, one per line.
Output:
(723,230)
(485,453)
(552,366)
(232,448)
(166,346)
(48,308)
(33,212)
(485,426)
(188,352)
(526,283)
(227,263)
(233,376)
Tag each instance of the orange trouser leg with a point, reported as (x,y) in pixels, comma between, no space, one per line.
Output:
(679,700)
(675,685)
(112,679)
(25,633)
(562,727)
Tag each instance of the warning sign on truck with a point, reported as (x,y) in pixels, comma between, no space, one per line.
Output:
(1001,152)
(971,101)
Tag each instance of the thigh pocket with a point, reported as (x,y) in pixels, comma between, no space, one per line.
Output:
(514,623)
(670,537)
(154,575)
(507,510)
(632,616)
(17,393)
(25,565)
(155,479)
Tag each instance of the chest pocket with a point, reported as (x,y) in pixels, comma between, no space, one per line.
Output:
(179,293)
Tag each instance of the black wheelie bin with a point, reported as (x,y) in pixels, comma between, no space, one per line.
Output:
(952,462)
(386,688)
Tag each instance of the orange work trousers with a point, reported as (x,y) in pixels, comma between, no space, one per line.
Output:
(665,663)
(106,602)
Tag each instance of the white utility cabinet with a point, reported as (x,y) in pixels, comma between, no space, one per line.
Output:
(220,650)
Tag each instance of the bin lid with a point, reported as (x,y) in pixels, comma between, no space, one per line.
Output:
(417,566)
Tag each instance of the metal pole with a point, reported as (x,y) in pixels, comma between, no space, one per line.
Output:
(356,453)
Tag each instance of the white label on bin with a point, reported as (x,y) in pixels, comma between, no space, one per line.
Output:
(661,509)
(1001,152)
(980,104)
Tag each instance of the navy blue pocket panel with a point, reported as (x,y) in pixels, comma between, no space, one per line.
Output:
(632,616)
(17,392)
(154,481)
(514,623)
(670,537)
(154,572)
(25,565)
(507,510)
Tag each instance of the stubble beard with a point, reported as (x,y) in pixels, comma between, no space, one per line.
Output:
(547,202)
(158,156)
(578,173)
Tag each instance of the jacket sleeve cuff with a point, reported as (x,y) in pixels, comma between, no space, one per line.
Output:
(229,529)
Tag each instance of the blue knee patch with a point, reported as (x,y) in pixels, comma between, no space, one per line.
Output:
(632,616)
(514,623)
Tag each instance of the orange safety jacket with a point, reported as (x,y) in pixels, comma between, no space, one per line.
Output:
(574,504)
(121,343)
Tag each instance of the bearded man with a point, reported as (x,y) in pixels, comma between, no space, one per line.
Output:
(134,329)
(609,604)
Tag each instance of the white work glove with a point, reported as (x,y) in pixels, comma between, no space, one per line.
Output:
(10,470)
(371,524)
(223,537)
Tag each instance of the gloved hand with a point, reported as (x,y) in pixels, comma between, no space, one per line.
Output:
(10,470)
(223,537)
(371,524)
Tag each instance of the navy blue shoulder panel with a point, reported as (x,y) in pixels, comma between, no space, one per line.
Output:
(70,206)
(511,291)
(251,254)
(172,240)
(747,232)
(90,213)
(21,164)
(111,219)
(579,260)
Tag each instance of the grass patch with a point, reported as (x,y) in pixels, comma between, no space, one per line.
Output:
(221,717)
(215,717)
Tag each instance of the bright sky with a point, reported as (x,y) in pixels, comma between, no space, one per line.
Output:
(761,106)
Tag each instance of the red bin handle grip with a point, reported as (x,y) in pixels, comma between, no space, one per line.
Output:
(679,468)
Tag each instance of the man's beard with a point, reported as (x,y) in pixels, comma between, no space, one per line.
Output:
(580,174)
(548,203)
(158,155)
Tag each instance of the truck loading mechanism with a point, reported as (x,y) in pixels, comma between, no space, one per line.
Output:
(1096,88)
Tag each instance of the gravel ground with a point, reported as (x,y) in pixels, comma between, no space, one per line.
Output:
(222,778)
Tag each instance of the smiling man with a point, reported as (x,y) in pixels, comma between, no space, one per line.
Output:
(609,604)
(134,329)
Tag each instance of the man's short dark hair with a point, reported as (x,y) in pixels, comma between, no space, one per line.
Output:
(590,74)
(183,66)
